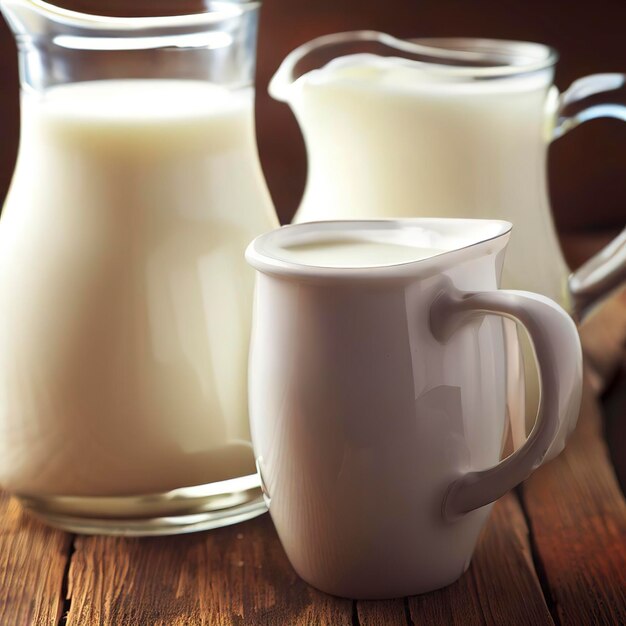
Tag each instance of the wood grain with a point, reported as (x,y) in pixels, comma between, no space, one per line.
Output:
(379,612)
(603,337)
(33,559)
(614,410)
(240,575)
(236,575)
(500,587)
(578,520)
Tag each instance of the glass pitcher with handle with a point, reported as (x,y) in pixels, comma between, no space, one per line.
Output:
(446,127)
(126,299)
(449,127)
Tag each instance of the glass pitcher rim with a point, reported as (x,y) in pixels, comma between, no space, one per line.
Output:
(263,253)
(472,55)
(217,10)
(510,47)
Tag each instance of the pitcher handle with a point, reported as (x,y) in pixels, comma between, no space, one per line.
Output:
(588,98)
(558,354)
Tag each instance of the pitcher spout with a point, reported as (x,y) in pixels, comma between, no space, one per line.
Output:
(312,55)
(316,53)
(24,17)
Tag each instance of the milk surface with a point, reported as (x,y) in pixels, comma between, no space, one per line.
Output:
(392,138)
(126,298)
(355,253)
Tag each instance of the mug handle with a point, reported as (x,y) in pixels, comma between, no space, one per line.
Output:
(588,98)
(558,354)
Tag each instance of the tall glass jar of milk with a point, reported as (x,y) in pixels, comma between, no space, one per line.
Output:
(126,300)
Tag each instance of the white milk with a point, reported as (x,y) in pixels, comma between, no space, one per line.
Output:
(354,253)
(388,138)
(125,314)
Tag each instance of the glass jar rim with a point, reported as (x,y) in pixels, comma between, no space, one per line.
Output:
(216,11)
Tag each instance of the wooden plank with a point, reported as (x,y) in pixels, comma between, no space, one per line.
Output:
(33,560)
(603,336)
(614,410)
(578,519)
(383,612)
(235,575)
(500,587)
(240,575)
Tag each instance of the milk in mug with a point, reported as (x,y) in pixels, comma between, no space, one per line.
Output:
(126,308)
(355,253)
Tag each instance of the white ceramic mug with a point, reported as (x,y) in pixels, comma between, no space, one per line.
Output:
(378,400)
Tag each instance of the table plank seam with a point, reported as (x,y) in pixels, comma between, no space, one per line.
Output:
(537,560)
(32,560)
(65,603)
(407,612)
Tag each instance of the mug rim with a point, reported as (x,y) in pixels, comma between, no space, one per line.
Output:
(262,254)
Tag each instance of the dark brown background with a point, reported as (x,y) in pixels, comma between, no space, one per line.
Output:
(587,168)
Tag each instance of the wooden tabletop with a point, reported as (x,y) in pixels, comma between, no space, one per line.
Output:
(552,553)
